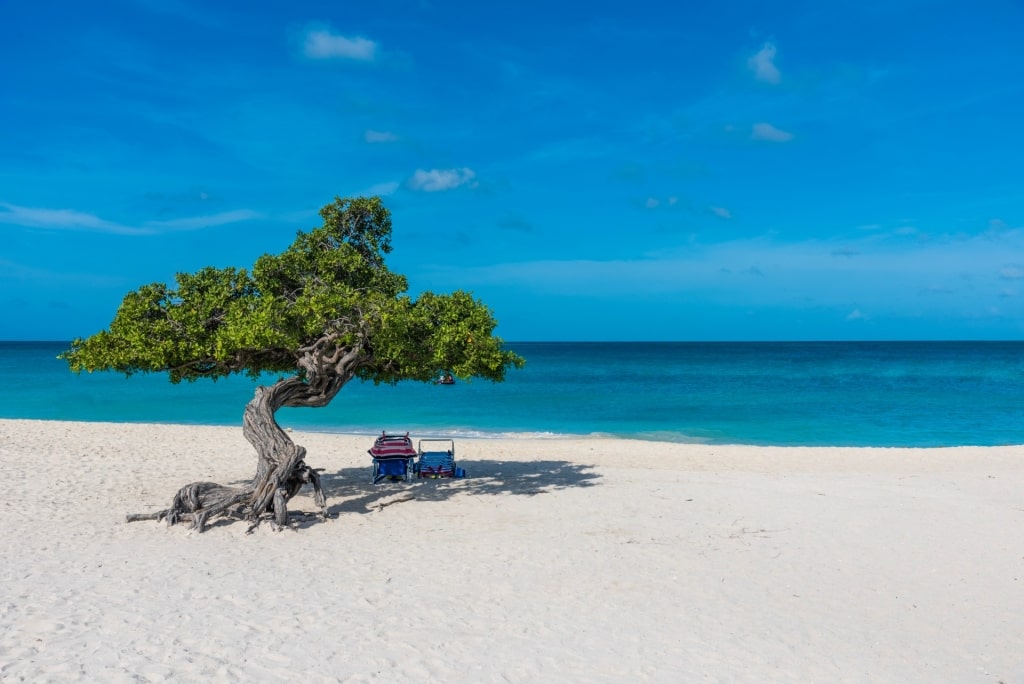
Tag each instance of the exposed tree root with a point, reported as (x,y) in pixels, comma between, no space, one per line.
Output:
(200,502)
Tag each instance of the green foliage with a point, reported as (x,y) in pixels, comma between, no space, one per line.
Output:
(330,290)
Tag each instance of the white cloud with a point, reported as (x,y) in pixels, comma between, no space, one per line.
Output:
(1011,273)
(721,212)
(322,44)
(379,136)
(62,219)
(765,131)
(68,219)
(763,64)
(654,202)
(856,315)
(436,180)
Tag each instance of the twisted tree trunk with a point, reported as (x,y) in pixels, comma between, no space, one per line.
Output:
(281,470)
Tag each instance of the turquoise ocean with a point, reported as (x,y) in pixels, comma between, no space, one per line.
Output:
(918,394)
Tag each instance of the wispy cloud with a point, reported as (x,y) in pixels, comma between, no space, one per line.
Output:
(382,189)
(765,131)
(20,272)
(69,219)
(762,64)
(885,276)
(372,136)
(654,202)
(721,212)
(63,219)
(437,180)
(323,44)
(200,222)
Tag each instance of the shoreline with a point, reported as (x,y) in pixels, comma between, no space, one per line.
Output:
(477,435)
(599,560)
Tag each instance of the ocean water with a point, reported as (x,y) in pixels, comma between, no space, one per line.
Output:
(790,393)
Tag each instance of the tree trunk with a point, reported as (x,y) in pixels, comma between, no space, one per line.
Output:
(281,470)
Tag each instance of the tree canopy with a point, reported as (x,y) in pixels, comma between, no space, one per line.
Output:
(329,291)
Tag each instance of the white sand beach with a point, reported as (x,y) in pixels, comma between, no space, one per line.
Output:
(560,560)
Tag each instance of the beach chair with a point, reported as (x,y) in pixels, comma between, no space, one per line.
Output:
(393,458)
(436,458)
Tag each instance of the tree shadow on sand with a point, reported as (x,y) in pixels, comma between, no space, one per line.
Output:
(349,490)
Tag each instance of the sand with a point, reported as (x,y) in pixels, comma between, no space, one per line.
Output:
(559,560)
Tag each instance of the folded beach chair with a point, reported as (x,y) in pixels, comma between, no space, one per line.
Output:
(393,457)
(437,459)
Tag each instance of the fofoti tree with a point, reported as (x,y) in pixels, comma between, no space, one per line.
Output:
(323,312)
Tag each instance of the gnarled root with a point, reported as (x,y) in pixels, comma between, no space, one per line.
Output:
(302,474)
(274,500)
(199,502)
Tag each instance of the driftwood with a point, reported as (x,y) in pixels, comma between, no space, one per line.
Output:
(281,470)
(383,504)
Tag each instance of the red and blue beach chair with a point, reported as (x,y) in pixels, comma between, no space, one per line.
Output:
(437,459)
(393,458)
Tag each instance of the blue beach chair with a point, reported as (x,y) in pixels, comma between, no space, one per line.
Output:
(393,458)
(438,460)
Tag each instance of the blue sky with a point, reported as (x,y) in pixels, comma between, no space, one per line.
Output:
(592,171)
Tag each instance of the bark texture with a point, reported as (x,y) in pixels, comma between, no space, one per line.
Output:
(281,470)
